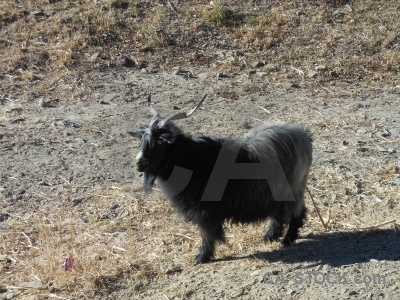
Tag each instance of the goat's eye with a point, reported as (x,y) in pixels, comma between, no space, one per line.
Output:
(160,141)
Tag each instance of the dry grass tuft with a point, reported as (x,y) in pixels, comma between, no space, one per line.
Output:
(219,14)
(42,40)
(106,242)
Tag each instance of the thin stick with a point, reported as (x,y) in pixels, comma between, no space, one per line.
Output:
(57,297)
(172,6)
(297,70)
(264,109)
(378,225)
(119,248)
(184,235)
(53,85)
(316,208)
(27,237)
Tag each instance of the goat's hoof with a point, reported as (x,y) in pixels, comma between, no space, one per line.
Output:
(285,243)
(201,259)
(271,237)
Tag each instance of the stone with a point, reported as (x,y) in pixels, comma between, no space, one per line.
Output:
(320,67)
(245,124)
(395,182)
(261,74)
(257,64)
(36,284)
(312,74)
(290,85)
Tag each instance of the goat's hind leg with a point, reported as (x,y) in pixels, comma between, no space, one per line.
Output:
(274,230)
(210,233)
(295,223)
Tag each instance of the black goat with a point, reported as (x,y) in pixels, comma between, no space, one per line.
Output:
(209,180)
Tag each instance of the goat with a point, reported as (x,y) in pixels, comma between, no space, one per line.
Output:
(210,180)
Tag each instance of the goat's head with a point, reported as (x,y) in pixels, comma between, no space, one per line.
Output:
(156,140)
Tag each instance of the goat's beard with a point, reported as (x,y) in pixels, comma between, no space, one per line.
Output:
(148,181)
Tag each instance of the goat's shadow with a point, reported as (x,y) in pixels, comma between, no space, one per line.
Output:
(337,249)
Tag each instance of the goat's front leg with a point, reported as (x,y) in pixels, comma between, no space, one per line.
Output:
(210,234)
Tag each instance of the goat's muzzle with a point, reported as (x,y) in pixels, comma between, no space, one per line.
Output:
(142,164)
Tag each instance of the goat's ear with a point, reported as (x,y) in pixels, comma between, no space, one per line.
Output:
(139,132)
(136,134)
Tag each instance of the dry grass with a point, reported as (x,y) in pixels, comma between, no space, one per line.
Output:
(107,243)
(141,239)
(43,40)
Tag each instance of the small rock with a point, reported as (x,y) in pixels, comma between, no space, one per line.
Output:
(70,123)
(290,85)
(395,182)
(96,256)
(3,216)
(357,188)
(275,272)
(353,293)
(388,150)
(320,67)
(257,64)
(245,124)
(337,13)
(178,72)
(120,233)
(261,74)
(10,296)
(76,202)
(36,284)
(373,260)
(41,102)
(31,229)
(18,120)
(362,131)
(312,74)
(237,293)
(4,226)
(259,275)
(3,288)
(291,292)
(269,68)
(94,55)
(221,75)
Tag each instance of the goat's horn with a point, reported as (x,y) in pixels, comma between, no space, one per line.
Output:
(156,114)
(183,115)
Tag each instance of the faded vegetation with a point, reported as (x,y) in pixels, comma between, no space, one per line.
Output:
(43,40)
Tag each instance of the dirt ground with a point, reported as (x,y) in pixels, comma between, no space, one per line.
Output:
(67,158)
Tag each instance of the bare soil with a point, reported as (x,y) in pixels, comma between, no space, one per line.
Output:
(74,77)
(72,156)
